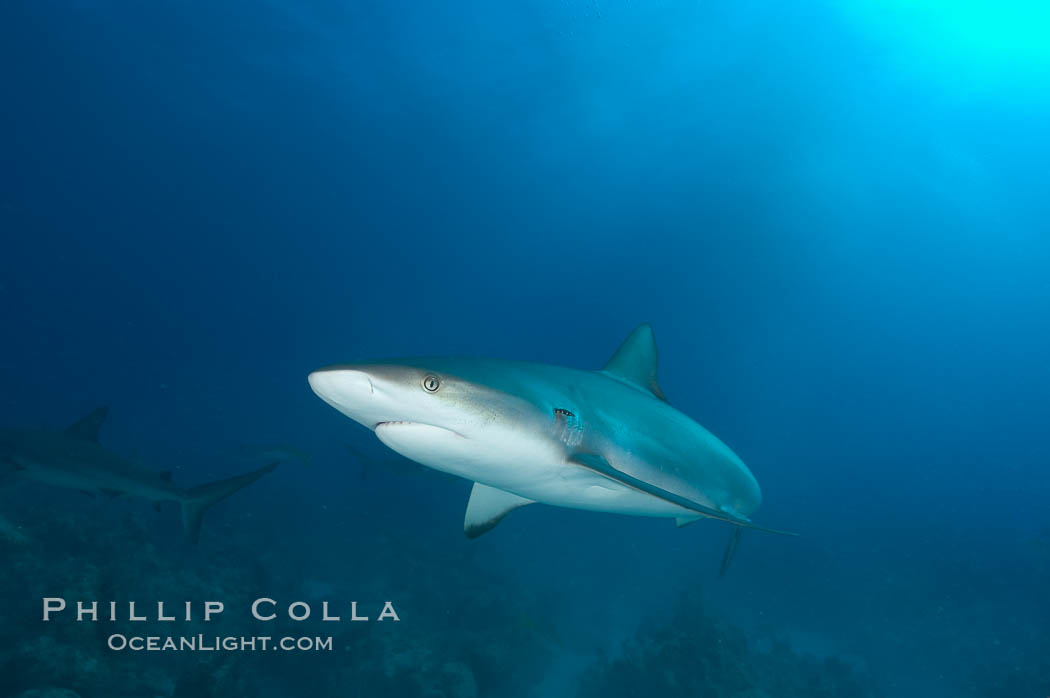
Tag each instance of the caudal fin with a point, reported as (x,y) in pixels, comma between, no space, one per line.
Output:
(199,498)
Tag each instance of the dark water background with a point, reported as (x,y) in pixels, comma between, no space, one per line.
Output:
(835,217)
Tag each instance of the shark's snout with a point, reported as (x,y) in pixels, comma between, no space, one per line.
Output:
(341,386)
(362,395)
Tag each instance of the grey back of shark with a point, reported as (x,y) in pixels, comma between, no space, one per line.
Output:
(523,432)
(75,459)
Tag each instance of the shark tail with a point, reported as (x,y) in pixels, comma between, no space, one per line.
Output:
(198,499)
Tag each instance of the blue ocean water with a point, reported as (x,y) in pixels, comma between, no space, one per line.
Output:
(834,215)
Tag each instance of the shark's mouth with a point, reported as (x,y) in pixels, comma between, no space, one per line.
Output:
(421,426)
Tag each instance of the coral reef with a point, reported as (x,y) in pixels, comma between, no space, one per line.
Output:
(118,556)
(11,534)
(1014,659)
(48,692)
(696,655)
(467,630)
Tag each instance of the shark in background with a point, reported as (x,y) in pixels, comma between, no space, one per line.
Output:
(524,432)
(75,459)
(247,454)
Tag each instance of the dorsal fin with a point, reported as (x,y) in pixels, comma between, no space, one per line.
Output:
(87,426)
(635,361)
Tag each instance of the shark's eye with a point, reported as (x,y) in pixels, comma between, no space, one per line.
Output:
(431,383)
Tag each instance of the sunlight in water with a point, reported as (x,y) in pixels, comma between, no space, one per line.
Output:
(1002,43)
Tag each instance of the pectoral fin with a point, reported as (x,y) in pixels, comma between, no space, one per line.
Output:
(487,507)
(598,464)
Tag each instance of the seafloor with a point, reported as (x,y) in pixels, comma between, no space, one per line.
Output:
(485,637)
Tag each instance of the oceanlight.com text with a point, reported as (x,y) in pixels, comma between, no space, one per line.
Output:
(217,643)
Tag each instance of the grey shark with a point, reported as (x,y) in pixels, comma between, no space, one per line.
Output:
(74,458)
(524,432)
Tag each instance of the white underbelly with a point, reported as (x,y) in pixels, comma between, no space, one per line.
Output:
(531,468)
(567,485)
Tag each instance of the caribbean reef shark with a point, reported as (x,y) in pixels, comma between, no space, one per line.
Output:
(74,458)
(523,432)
